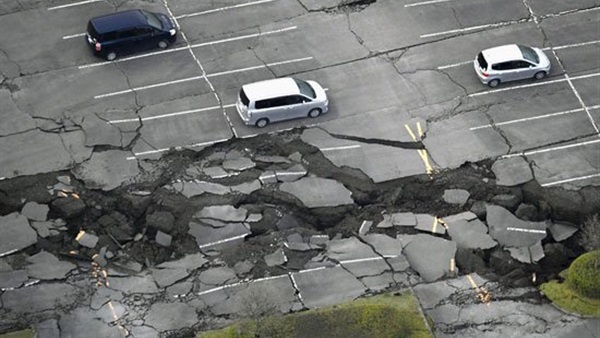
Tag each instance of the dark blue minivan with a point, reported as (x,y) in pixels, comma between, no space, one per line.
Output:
(128,32)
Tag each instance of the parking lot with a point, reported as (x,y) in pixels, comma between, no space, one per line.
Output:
(384,66)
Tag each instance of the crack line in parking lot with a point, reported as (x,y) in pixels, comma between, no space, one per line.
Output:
(533,152)
(195,145)
(565,112)
(568,180)
(173,50)
(216,10)
(193,78)
(73,4)
(534,84)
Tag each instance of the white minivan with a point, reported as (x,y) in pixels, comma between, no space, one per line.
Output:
(261,103)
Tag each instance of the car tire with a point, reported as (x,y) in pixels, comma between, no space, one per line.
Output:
(163,44)
(316,112)
(494,83)
(261,123)
(539,75)
(111,56)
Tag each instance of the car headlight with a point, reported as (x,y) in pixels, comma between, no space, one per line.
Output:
(173,32)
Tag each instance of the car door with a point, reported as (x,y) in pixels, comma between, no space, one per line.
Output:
(526,70)
(143,38)
(506,71)
(295,107)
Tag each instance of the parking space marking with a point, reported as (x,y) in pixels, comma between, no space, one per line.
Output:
(341,147)
(151,152)
(534,84)
(197,45)
(568,180)
(66,37)
(223,9)
(468,29)
(422,152)
(565,112)
(185,112)
(425,3)
(73,4)
(568,146)
(199,77)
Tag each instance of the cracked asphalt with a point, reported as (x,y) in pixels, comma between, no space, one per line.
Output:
(134,201)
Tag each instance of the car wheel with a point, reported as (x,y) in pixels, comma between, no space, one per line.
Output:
(539,75)
(314,112)
(494,83)
(163,44)
(262,123)
(111,56)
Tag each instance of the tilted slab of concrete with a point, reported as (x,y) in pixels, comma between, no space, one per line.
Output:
(510,231)
(134,284)
(214,238)
(225,213)
(16,233)
(45,265)
(39,297)
(316,192)
(327,286)
(470,234)
(512,171)
(430,256)
(170,316)
(107,170)
(349,249)
(384,245)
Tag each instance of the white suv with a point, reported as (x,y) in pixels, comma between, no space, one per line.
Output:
(261,103)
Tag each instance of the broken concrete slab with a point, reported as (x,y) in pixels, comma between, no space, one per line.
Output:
(291,174)
(163,239)
(404,219)
(190,189)
(238,164)
(134,284)
(214,277)
(510,231)
(512,171)
(102,296)
(35,212)
(268,177)
(287,222)
(329,286)
(214,238)
(365,227)
(81,322)
(432,294)
(39,297)
(215,172)
(456,196)
(276,258)
(226,213)
(386,222)
(189,262)
(107,170)
(12,279)
(46,266)
(561,231)
(384,245)
(170,316)
(430,256)
(168,277)
(537,252)
(429,223)
(87,239)
(16,232)
(180,289)
(366,267)
(471,235)
(466,216)
(47,329)
(398,263)
(315,192)
(379,282)
(144,332)
(349,249)
(246,188)
(271,159)
(242,268)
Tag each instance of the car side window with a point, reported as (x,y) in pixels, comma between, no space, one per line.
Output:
(142,31)
(262,104)
(279,101)
(294,99)
(500,66)
(524,64)
(127,33)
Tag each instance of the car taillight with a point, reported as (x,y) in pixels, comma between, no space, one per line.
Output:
(485,74)
(98,46)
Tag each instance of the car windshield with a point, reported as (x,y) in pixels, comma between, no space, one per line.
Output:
(153,20)
(305,88)
(529,54)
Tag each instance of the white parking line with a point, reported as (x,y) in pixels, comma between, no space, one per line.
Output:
(468,29)
(341,147)
(533,231)
(568,180)
(533,84)
(66,37)
(185,112)
(173,50)
(533,118)
(425,3)
(193,78)
(454,65)
(223,9)
(221,241)
(196,145)
(73,4)
(568,146)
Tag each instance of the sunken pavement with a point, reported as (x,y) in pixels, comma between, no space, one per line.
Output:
(173,246)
